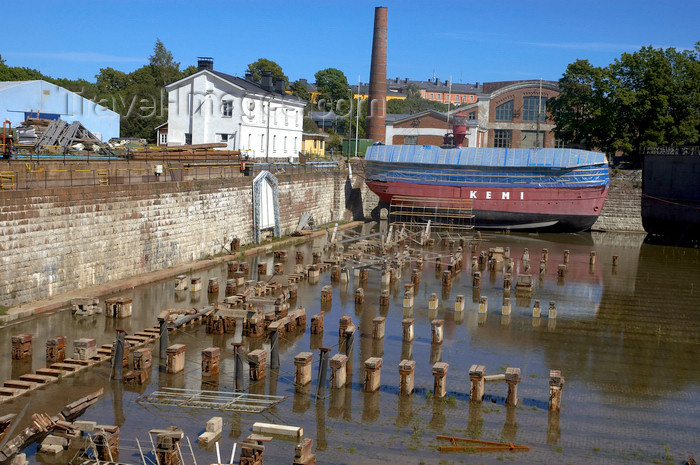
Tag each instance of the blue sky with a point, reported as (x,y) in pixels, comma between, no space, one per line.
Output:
(467,40)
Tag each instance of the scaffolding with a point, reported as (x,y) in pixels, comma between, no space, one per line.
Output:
(442,213)
(215,400)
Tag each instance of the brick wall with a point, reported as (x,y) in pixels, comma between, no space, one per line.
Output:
(57,240)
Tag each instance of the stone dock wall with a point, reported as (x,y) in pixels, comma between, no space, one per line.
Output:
(622,210)
(57,240)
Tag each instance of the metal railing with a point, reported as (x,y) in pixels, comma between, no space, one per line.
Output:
(47,178)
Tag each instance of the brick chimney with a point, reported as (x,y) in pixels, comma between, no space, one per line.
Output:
(205,63)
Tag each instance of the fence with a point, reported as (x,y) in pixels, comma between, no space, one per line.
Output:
(45,178)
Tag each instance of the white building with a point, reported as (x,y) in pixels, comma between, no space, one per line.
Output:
(20,100)
(259,119)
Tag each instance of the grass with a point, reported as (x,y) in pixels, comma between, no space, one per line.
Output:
(3,310)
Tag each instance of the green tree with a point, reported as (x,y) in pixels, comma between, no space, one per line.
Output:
(299,89)
(332,85)
(189,71)
(583,112)
(656,99)
(110,80)
(162,65)
(310,125)
(643,99)
(257,67)
(413,103)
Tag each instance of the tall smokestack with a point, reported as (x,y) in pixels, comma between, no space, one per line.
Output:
(376,128)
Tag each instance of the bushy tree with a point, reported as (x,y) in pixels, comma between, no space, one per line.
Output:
(332,85)
(413,103)
(162,65)
(643,99)
(263,64)
(582,112)
(299,89)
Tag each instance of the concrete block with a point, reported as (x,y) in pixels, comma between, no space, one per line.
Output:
(55,440)
(85,426)
(215,425)
(51,449)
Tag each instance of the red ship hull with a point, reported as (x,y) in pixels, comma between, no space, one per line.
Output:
(569,209)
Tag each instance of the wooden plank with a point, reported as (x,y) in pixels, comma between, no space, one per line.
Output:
(40,379)
(281,430)
(19,384)
(49,372)
(9,392)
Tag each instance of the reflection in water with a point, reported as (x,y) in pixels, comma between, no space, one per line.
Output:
(405,410)
(438,420)
(510,427)
(336,404)
(370,408)
(553,427)
(625,337)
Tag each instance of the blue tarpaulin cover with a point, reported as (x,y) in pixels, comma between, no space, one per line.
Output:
(486,166)
(491,157)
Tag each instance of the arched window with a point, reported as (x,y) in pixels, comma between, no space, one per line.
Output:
(504,111)
(532,106)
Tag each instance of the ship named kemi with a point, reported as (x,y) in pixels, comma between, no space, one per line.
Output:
(541,189)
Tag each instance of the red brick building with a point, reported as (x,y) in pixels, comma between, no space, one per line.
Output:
(510,114)
(424,128)
(514,113)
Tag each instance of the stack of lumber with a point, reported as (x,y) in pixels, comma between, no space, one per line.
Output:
(43,425)
(42,133)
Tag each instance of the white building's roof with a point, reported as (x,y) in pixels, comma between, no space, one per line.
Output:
(8,84)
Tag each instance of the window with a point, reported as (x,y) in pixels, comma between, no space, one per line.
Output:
(285,144)
(163,138)
(262,143)
(275,114)
(250,146)
(531,139)
(286,118)
(472,115)
(263,109)
(502,137)
(464,98)
(410,140)
(438,96)
(532,106)
(227,108)
(504,112)
(456,98)
(224,137)
(188,138)
(296,118)
(274,143)
(295,143)
(432,96)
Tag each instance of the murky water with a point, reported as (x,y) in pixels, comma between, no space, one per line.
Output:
(625,338)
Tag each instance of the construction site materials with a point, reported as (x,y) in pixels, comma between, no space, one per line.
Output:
(478,445)
(216,400)
(43,134)
(43,425)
